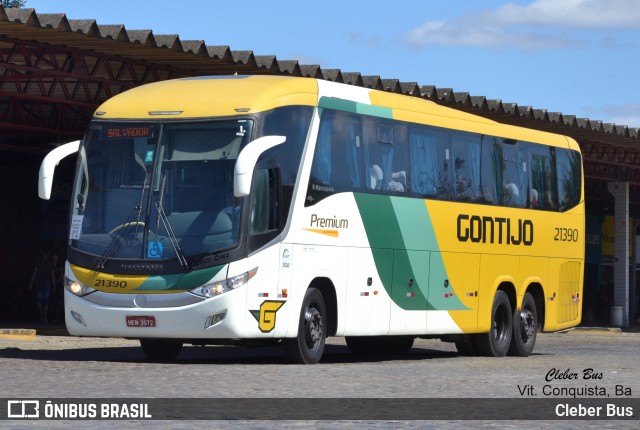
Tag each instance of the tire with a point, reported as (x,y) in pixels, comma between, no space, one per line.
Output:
(496,342)
(161,350)
(525,328)
(379,345)
(307,347)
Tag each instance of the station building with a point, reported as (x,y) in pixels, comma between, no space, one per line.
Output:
(56,71)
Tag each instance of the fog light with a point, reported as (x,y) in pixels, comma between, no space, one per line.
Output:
(76,316)
(214,319)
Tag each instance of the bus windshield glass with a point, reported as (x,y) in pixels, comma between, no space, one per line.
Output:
(149,191)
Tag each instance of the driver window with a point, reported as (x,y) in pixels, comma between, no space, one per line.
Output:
(264,206)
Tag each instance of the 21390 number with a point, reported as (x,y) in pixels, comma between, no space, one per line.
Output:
(566,234)
(110,283)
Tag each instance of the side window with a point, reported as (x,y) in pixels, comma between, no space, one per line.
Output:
(488,166)
(544,191)
(399,179)
(430,162)
(569,166)
(384,169)
(378,153)
(337,162)
(511,173)
(292,122)
(264,203)
(466,167)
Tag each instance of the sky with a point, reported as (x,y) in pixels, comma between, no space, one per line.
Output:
(577,57)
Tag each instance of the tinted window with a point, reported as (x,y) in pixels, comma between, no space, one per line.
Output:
(430,162)
(466,167)
(385,156)
(510,164)
(377,155)
(569,166)
(337,162)
(544,194)
(292,122)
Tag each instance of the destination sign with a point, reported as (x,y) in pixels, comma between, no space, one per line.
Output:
(127,132)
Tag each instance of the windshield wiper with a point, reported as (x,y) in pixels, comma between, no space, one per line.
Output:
(162,216)
(121,231)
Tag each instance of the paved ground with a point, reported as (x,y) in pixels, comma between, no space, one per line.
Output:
(46,366)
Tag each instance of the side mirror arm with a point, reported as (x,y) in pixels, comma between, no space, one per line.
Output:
(246,162)
(48,167)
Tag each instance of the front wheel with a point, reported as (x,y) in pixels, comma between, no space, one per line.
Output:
(496,342)
(525,327)
(161,350)
(307,347)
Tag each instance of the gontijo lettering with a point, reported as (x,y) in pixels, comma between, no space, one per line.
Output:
(498,230)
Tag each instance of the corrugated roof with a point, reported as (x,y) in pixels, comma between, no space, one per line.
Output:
(196,58)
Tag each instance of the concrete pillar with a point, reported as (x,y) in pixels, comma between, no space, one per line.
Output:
(620,310)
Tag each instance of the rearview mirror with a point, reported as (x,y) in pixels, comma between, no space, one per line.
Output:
(48,167)
(246,162)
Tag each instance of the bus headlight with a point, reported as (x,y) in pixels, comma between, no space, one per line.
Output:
(216,288)
(77,288)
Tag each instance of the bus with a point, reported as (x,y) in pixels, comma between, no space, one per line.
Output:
(285,210)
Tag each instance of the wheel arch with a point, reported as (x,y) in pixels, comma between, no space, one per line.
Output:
(510,291)
(537,292)
(328,291)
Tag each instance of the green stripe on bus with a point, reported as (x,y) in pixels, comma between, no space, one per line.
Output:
(406,252)
(355,107)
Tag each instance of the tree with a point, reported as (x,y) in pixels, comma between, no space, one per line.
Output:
(13,3)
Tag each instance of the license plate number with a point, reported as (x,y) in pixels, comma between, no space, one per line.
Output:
(141,321)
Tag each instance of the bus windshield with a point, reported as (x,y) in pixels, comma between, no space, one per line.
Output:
(149,191)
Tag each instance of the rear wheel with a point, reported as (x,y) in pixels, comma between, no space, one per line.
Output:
(161,349)
(525,328)
(496,342)
(307,347)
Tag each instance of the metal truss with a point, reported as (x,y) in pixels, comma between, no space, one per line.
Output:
(50,92)
(610,163)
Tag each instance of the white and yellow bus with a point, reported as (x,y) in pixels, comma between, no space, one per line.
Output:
(272,209)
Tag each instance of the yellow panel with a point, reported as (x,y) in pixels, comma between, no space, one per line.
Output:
(494,270)
(208,97)
(100,281)
(464,273)
(488,229)
(569,293)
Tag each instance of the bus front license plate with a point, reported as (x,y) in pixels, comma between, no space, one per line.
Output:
(141,321)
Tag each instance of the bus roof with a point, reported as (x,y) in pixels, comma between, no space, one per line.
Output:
(214,96)
(209,96)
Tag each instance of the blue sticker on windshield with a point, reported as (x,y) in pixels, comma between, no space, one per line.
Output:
(148,158)
(154,250)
